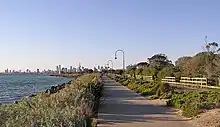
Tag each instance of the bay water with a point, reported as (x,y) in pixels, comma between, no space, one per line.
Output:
(15,86)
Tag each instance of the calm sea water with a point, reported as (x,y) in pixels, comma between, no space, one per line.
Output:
(15,86)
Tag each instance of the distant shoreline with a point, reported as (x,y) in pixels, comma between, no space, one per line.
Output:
(66,75)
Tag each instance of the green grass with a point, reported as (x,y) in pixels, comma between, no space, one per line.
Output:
(71,106)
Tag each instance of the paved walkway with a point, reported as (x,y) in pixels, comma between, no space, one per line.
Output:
(124,108)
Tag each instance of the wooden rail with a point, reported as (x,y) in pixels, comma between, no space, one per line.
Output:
(185,81)
(198,81)
(148,78)
(169,79)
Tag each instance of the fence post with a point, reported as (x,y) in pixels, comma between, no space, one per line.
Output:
(218,81)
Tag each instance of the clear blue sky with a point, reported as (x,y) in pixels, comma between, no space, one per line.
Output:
(45,33)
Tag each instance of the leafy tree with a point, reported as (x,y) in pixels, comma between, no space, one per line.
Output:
(157,62)
(142,65)
(166,72)
(180,62)
(131,70)
(211,50)
(159,58)
(140,71)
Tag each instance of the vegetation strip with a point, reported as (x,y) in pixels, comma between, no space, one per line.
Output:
(74,105)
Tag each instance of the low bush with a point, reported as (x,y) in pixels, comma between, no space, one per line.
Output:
(193,103)
(126,82)
(144,88)
(70,106)
(133,86)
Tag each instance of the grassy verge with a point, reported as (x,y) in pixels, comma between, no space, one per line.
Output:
(73,105)
(190,102)
(193,103)
(152,90)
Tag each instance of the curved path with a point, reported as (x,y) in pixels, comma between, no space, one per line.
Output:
(125,108)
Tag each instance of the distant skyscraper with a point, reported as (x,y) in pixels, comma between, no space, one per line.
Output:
(6,71)
(38,71)
(74,70)
(71,69)
(59,69)
(65,70)
(79,68)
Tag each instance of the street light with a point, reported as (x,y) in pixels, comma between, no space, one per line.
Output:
(123,56)
(110,61)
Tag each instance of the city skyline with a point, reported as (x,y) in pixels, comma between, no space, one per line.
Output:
(8,70)
(41,34)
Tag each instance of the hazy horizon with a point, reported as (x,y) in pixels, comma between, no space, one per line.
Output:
(43,34)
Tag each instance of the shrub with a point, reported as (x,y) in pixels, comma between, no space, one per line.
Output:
(126,82)
(193,103)
(71,106)
(133,86)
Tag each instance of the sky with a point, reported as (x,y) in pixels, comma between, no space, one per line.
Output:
(45,33)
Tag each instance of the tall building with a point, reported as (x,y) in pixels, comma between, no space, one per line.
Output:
(71,69)
(65,70)
(74,70)
(59,69)
(38,71)
(6,71)
(79,68)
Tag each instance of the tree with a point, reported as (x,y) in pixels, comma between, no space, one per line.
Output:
(166,72)
(211,50)
(196,66)
(181,65)
(181,61)
(159,58)
(157,62)
(142,65)
(140,71)
(131,70)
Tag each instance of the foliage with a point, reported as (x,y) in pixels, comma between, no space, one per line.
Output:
(142,64)
(71,106)
(166,72)
(193,103)
(159,58)
(144,88)
(157,63)
(197,65)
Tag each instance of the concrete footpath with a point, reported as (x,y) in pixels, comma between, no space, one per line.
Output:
(125,108)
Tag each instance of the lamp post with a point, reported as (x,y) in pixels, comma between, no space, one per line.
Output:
(123,56)
(111,62)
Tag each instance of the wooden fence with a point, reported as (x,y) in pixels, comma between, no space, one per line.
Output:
(169,79)
(148,78)
(185,81)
